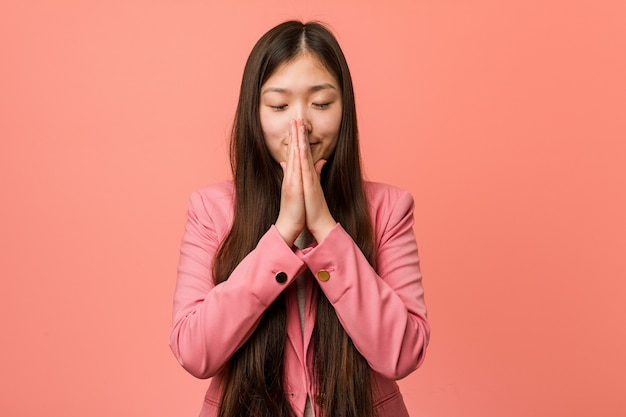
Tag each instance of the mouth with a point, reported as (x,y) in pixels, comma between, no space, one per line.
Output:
(311,145)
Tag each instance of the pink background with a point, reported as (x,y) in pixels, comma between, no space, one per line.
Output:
(505,119)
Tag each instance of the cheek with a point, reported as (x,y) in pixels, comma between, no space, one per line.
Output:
(273,128)
(275,132)
(328,126)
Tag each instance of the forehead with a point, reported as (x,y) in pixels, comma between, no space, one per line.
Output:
(305,69)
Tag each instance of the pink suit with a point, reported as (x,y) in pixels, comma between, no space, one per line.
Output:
(382,310)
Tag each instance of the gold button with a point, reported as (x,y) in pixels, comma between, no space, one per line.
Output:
(323,275)
(281,277)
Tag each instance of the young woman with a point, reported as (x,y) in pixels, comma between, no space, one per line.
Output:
(299,290)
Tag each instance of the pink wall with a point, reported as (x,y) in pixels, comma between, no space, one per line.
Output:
(506,120)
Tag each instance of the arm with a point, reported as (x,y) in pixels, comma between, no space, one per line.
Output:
(382,311)
(211,322)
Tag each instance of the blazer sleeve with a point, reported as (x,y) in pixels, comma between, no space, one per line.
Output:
(383,310)
(210,322)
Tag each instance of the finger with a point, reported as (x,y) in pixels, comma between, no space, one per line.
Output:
(296,152)
(305,144)
(292,194)
(292,163)
(306,158)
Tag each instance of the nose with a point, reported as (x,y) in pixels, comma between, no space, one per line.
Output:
(301,113)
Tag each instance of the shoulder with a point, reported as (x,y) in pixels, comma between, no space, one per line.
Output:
(221,191)
(385,197)
(215,201)
(224,188)
(389,206)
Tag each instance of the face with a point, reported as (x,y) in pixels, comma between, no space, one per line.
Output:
(301,89)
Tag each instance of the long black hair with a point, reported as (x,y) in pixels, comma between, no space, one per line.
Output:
(253,384)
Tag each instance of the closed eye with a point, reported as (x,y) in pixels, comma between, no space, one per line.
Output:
(279,108)
(321,105)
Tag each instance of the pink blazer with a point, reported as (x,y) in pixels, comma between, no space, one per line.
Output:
(382,310)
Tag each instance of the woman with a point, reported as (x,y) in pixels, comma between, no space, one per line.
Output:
(299,290)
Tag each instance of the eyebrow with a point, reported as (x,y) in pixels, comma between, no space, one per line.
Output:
(312,89)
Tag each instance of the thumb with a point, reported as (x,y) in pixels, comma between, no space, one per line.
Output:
(319,165)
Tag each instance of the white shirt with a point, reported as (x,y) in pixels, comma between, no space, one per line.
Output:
(301,242)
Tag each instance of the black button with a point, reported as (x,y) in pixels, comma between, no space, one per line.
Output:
(281,277)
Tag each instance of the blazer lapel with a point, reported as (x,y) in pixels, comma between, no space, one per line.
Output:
(294,332)
(310,308)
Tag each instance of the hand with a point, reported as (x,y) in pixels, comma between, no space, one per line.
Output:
(291,217)
(319,221)
(302,200)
